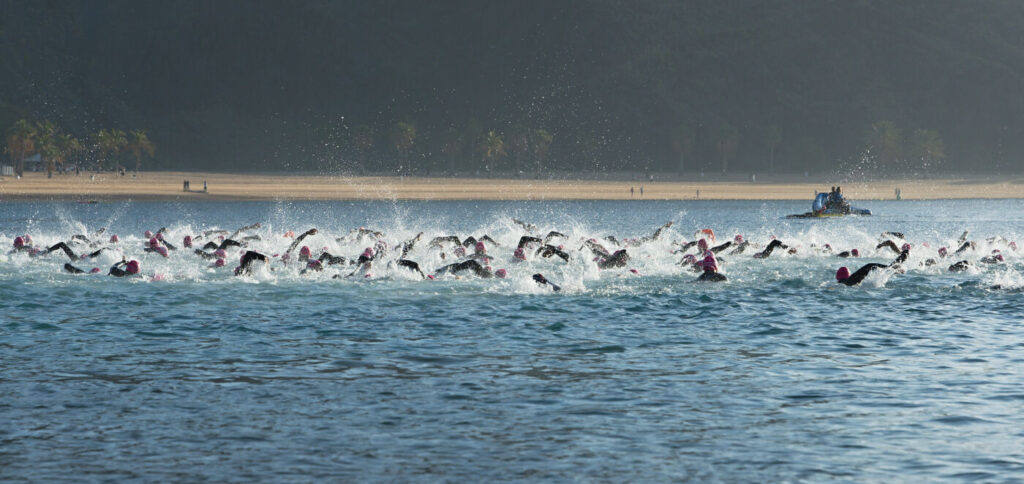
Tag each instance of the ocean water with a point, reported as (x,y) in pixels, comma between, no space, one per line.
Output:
(187,373)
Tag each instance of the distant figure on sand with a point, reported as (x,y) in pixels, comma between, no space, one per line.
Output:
(204,186)
(631,192)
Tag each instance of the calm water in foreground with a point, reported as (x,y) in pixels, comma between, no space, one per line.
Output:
(778,374)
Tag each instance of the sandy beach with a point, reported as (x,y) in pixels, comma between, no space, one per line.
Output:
(222,186)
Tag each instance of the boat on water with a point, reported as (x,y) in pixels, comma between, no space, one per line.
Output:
(831,204)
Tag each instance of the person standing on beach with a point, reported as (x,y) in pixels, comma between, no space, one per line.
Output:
(630,192)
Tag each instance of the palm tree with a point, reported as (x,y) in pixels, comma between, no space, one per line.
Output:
(772,139)
(493,149)
(21,142)
(886,140)
(728,141)
(139,145)
(928,148)
(110,143)
(540,143)
(683,139)
(48,136)
(69,145)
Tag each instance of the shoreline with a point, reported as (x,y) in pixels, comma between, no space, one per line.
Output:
(168,186)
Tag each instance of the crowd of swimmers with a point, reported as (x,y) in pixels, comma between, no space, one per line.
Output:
(472,256)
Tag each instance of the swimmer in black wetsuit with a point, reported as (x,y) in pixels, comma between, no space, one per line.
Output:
(710,267)
(408,246)
(468,265)
(408,264)
(618,259)
(771,248)
(843,275)
(540,279)
(549,250)
(124,268)
(245,266)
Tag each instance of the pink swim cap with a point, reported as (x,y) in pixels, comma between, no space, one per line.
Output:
(1013,245)
(314,264)
(430,276)
(368,253)
(460,251)
(19,242)
(999,257)
(738,239)
(160,236)
(132,267)
(943,251)
(634,271)
(162,251)
(905,247)
(94,270)
(220,253)
(153,243)
(709,263)
(842,273)
(304,251)
(480,248)
(702,245)
(148,234)
(219,263)
(828,246)
(690,259)
(28,239)
(855,253)
(519,254)
(501,273)
(114,239)
(561,247)
(187,242)
(926,244)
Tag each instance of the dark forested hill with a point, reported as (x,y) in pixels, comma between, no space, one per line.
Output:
(417,87)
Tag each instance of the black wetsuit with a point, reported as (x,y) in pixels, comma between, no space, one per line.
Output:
(469,265)
(411,265)
(297,241)
(618,259)
(245,267)
(117,270)
(62,246)
(861,273)
(771,247)
(712,276)
(718,248)
(332,259)
(549,250)
(540,279)
(890,245)
(72,269)
(960,266)
(526,239)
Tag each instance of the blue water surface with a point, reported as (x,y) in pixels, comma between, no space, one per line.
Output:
(187,373)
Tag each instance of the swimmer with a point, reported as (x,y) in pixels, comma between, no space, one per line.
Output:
(959,266)
(408,245)
(657,233)
(124,268)
(245,265)
(74,270)
(618,259)
(528,239)
(411,265)
(540,279)
(526,226)
(710,268)
(298,240)
(843,275)
(775,243)
(468,265)
(549,250)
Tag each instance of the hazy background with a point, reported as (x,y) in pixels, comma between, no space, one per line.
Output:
(524,87)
